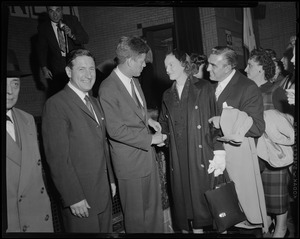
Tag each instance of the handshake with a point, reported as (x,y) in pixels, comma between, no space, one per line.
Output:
(158,138)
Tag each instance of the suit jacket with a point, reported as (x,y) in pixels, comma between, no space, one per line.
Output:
(243,94)
(128,131)
(76,150)
(28,204)
(48,50)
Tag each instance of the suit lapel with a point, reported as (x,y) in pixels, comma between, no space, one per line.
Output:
(52,36)
(227,91)
(28,139)
(13,152)
(124,92)
(76,99)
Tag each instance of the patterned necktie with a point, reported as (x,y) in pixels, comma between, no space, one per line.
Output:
(136,99)
(89,104)
(61,39)
(218,91)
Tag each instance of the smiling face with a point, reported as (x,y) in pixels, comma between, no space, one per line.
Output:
(218,68)
(174,68)
(83,73)
(12,91)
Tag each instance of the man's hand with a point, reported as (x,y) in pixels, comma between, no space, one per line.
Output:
(215,121)
(158,139)
(80,209)
(154,124)
(68,32)
(47,73)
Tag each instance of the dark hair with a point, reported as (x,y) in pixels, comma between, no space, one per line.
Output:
(184,59)
(76,53)
(263,58)
(228,54)
(272,53)
(196,61)
(131,47)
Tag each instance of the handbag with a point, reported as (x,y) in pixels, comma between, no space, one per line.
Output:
(223,203)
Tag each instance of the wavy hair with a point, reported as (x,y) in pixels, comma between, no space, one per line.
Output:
(263,58)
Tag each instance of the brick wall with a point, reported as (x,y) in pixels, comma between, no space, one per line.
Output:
(105,25)
(278,26)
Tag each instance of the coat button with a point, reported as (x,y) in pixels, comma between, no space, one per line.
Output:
(42,190)
(196,107)
(102,118)
(200,146)
(202,165)
(25,228)
(199,126)
(47,217)
(39,162)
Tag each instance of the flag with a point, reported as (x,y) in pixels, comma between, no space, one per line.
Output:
(249,38)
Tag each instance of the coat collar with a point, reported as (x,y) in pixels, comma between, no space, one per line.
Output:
(124,92)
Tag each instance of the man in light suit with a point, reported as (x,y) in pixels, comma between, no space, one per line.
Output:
(239,92)
(131,141)
(74,135)
(28,203)
(52,58)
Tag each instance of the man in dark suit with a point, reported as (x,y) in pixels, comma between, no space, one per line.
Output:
(74,136)
(57,36)
(131,140)
(28,203)
(235,90)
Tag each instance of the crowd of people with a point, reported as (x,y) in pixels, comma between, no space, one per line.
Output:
(213,118)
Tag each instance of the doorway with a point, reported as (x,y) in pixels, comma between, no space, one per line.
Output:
(154,79)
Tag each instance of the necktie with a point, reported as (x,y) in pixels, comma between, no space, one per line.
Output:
(10,128)
(136,99)
(61,40)
(218,91)
(89,104)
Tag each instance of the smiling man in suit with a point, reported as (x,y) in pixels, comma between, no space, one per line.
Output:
(131,141)
(236,90)
(58,35)
(76,149)
(28,203)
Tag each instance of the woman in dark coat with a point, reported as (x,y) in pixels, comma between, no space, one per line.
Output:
(186,107)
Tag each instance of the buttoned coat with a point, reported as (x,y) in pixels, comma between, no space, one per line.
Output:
(201,144)
(28,204)
(76,150)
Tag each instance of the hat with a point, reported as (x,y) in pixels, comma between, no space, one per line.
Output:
(13,68)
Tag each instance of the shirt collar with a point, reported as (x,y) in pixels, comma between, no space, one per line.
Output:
(224,82)
(80,93)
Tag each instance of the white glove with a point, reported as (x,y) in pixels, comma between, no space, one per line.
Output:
(218,163)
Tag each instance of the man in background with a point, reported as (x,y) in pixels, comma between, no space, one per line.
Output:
(57,36)
(28,203)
